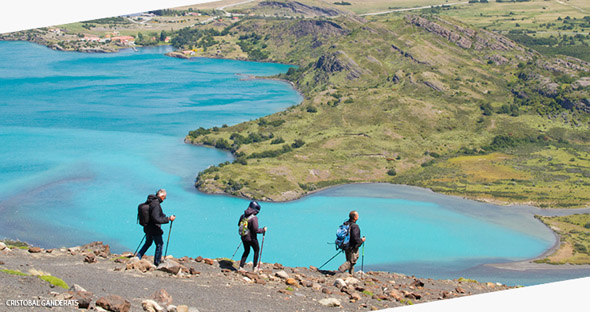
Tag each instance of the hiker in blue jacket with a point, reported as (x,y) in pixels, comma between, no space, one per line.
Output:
(249,230)
(352,252)
(153,231)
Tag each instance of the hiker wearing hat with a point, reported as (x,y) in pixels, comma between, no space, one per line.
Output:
(153,231)
(248,228)
(352,251)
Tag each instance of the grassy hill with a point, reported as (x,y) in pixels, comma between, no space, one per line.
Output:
(418,99)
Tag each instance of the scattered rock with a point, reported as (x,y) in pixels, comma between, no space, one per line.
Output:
(282,274)
(170,266)
(76,288)
(351,281)
(417,283)
(277,266)
(199,259)
(330,302)
(90,258)
(396,295)
(151,306)
(208,261)
(326,291)
(192,271)
(354,297)
(460,290)
(114,303)
(313,269)
(2,246)
(35,249)
(162,297)
(182,308)
(141,265)
(83,297)
(291,281)
(339,283)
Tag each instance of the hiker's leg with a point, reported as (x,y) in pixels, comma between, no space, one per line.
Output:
(256,248)
(354,256)
(245,254)
(148,243)
(346,265)
(159,243)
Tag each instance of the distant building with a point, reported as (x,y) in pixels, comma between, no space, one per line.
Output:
(90,38)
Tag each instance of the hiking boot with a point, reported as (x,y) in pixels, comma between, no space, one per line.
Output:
(241,270)
(255,270)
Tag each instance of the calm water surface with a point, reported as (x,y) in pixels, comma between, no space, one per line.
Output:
(85,137)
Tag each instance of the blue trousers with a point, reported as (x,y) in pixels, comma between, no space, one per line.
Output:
(148,242)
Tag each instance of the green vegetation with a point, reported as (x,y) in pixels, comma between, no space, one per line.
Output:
(12,244)
(54,281)
(391,100)
(368,293)
(467,280)
(289,288)
(14,272)
(574,232)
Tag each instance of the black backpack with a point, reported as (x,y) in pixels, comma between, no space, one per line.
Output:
(143,213)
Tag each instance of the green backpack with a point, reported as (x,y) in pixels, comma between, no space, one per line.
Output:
(243,226)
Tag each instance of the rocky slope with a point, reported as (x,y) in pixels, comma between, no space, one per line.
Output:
(95,279)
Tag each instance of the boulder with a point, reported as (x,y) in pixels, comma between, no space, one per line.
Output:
(151,306)
(2,246)
(35,249)
(199,259)
(330,302)
(339,283)
(277,266)
(170,266)
(208,261)
(282,274)
(162,297)
(114,303)
(417,283)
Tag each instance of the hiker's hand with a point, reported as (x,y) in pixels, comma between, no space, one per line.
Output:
(363,239)
(264,228)
(172,217)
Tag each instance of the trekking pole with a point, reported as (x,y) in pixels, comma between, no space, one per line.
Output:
(363,260)
(165,253)
(339,252)
(240,244)
(261,246)
(136,249)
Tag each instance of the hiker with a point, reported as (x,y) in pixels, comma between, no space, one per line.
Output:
(352,251)
(249,230)
(153,231)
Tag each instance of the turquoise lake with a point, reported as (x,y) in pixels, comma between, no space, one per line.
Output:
(84,138)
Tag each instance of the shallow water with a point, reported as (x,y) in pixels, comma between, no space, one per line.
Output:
(85,137)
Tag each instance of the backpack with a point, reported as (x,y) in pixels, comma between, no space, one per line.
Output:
(143,213)
(343,236)
(243,229)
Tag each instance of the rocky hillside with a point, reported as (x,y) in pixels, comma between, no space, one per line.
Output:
(90,277)
(413,99)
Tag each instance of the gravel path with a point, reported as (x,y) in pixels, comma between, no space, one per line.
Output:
(216,286)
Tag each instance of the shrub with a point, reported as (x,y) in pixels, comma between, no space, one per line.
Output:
(312,109)
(298,143)
(278,140)
(391,172)
(55,281)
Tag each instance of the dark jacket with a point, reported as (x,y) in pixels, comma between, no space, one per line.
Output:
(157,216)
(252,224)
(355,235)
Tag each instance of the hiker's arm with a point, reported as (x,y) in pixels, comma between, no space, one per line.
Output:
(255,228)
(159,216)
(355,237)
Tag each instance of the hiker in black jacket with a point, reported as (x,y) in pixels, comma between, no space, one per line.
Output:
(352,252)
(249,234)
(153,231)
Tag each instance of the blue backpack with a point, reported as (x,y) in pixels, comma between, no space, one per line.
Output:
(343,236)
